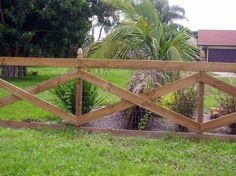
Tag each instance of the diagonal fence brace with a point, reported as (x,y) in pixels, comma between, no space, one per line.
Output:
(48,84)
(24,95)
(123,104)
(139,100)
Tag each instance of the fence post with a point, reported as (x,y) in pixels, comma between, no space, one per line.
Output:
(200,110)
(79,89)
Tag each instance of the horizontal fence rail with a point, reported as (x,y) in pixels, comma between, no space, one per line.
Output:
(128,99)
(120,64)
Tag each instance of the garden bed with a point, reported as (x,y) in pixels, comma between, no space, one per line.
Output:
(117,121)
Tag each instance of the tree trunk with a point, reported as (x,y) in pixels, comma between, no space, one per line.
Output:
(13,72)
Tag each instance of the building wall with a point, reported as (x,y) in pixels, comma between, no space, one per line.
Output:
(221,55)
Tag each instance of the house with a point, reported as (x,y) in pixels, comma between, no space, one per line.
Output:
(218,45)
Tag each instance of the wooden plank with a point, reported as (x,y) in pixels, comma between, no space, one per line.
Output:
(79,88)
(123,104)
(200,109)
(116,132)
(157,134)
(120,64)
(35,61)
(139,100)
(174,86)
(32,125)
(159,65)
(24,95)
(40,87)
(219,122)
(218,84)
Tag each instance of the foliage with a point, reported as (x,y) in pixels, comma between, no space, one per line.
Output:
(104,19)
(27,152)
(52,28)
(228,105)
(144,121)
(66,94)
(183,101)
(141,35)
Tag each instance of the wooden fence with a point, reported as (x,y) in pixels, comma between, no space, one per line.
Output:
(128,99)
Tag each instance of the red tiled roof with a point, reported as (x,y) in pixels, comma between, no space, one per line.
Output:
(217,37)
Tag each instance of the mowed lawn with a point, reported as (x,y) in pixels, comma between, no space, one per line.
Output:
(27,152)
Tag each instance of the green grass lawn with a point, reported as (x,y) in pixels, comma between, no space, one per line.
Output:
(67,152)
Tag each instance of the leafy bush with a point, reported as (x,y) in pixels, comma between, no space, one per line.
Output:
(228,105)
(183,101)
(66,95)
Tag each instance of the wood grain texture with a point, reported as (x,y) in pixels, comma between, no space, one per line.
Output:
(79,88)
(200,108)
(120,64)
(159,65)
(35,61)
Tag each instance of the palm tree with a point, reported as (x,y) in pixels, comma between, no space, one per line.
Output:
(141,35)
(169,13)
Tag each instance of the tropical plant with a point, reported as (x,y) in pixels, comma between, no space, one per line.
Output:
(227,105)
(65,93)
(141,35)
(183,101)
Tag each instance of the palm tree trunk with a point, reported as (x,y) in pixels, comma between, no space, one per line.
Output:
(13,72)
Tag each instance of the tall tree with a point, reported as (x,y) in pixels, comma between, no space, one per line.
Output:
(168,13)
(104,19)
(52,28)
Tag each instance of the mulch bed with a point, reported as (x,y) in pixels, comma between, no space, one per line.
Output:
(117,121)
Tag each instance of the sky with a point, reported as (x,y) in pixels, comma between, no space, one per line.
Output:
(208,14)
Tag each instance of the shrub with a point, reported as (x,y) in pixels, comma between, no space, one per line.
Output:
(228,105)
(66,95)
(183,101)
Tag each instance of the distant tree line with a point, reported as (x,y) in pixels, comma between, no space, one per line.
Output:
(56,28)
(49,28)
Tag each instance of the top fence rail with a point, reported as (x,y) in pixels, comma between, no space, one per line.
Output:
(119,64)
